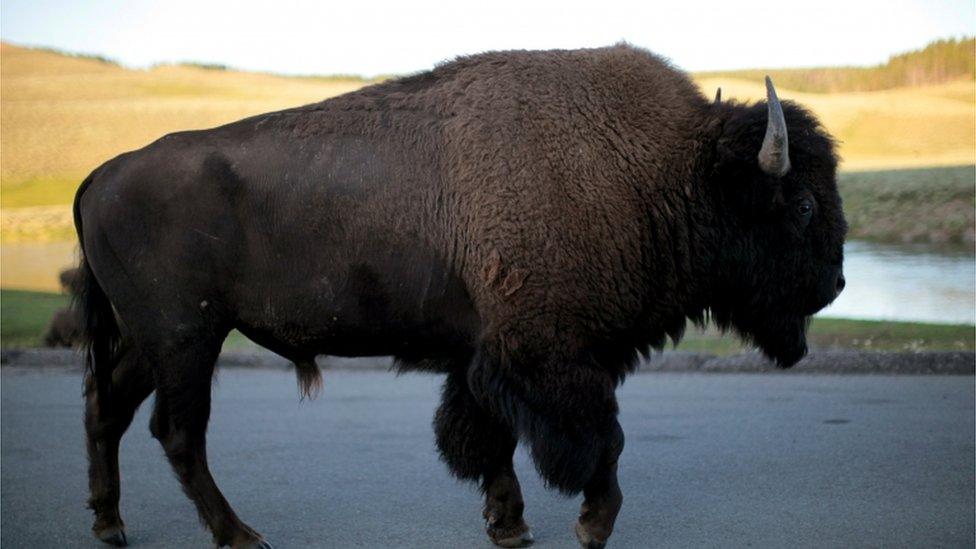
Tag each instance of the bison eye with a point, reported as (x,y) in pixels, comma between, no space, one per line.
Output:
(804,208)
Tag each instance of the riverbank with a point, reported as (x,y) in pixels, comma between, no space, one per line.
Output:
(24,316)
(838,333)
(930,205)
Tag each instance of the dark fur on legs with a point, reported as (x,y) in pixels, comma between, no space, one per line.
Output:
(479,447)
(564,409)
(179,422)
(566,412)
(106,419)
(603,498)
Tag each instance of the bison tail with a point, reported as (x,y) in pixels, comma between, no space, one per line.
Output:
(100,335)
(101,338)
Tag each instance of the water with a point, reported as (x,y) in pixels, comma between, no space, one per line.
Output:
(914,283)
(884,282)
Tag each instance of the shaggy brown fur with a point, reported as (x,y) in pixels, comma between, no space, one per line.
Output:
(525,221)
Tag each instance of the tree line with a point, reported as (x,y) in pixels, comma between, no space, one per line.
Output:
(938,62)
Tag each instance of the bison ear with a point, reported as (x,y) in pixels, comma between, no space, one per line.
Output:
(774,156)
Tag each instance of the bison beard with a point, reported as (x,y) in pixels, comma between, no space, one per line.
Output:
(526,223)
(784,340)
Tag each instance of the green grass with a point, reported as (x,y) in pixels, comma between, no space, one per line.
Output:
(915,205)
(24,316)
(837,333)
(891,336)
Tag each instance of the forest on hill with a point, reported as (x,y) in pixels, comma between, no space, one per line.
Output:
(940,61)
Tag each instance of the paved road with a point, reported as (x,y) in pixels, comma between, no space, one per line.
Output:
(712,460)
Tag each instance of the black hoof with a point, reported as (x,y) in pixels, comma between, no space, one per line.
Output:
(586,540)
(114,535)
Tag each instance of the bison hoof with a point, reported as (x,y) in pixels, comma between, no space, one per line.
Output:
(516,536)
(112,535)
(586,540)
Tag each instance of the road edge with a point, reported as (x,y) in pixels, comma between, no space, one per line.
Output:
(819,362)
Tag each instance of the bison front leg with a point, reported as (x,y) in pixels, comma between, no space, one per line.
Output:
(479,447)
(602,496)
(566,411)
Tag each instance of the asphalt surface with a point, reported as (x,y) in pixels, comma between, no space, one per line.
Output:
(711,460)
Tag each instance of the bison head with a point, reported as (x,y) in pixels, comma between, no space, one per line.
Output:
(780,225)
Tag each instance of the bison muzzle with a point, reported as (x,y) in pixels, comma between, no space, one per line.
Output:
(527,223)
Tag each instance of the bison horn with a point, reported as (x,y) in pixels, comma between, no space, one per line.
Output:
(774,156)
(718,96)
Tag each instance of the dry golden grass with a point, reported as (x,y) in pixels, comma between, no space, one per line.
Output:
(904,127)
(62,116)
(37,224)
(35,265)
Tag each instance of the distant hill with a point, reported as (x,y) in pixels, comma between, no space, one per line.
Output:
(63,115)
(939,62)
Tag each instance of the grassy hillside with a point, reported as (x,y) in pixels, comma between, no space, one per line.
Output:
(61,116)
(904,127)
(940,62)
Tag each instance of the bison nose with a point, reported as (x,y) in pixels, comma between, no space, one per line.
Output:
(840,283)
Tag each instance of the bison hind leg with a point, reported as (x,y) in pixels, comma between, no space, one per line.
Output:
(107,417)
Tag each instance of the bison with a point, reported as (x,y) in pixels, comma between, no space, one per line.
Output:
(64,328)
(526,222)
